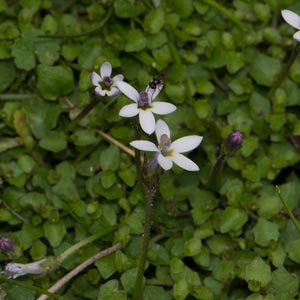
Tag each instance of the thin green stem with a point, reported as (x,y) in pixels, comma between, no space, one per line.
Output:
(226,12)
(138,287)
(216,169)
(83,113)
(84,242)
(31,287)
(285,71)
(289,212)
(72,36)
(87,109)
(137,156)
(16,97)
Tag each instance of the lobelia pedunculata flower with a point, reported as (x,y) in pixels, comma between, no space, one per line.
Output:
(292,19)
(143,105)
(104,84)
(168,152)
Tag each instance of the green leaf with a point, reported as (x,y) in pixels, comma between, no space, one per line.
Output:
(54,81)
(264,69)
(108,179)
(36,200)
(16,292)
(106,265)
(158,254)
(23,50)
(41,116)
(183,8)
(232,219)
(234,61)
(259,105)
(292,249)
(257,274)
(192,247)
(54,232)
(47,51)
(283,283)
(265,232)
(156,292)
(128,175)
(128,279)
(8,74)
(38,250)
(110,291)
(136,41)
(84,137)
(89,55)
(154,21)
(110,158)
(224,271)
(204,87)
(181,289)
(290,157)
(128,9)
(54,141)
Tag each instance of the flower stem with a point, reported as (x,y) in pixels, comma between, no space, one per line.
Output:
(87,109)
(150,189)
(216,169)
(31,287)
(226,12)
(83,113)
(284,72)
(16,97)
(84,242)
(292,217)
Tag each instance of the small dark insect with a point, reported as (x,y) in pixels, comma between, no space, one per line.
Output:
(157,82)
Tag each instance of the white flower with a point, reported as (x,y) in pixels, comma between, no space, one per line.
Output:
(105,85)
(143,106)
(170,152)
(292,19)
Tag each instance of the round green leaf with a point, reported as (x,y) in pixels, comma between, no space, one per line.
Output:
(54,81)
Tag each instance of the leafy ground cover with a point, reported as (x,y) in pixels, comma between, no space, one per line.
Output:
(229,65)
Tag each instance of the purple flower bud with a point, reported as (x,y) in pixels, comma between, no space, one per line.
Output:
(6,244)
(232,142)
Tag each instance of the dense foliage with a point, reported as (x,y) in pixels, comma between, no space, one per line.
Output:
(62,182)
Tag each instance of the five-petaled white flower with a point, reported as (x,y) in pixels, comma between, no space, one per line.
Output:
(105,85)
(143,106)
(168,152)
(292,19)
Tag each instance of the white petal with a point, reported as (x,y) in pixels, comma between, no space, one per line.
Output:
(291,18)
(165,162)
(186,143)
(184,162)
(95,78)
(117,78)
(153,93)
(99,91)
(296,36)
(162,108)
(114,91)
(129,111)
(161,128)
(144,145)
(105,69)
(147,121)
(128,90)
